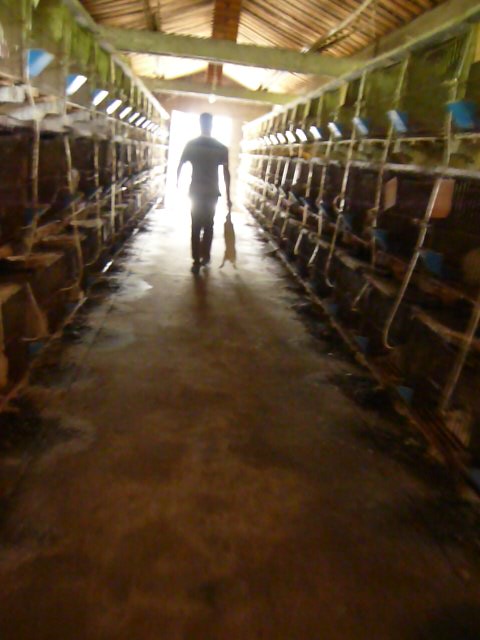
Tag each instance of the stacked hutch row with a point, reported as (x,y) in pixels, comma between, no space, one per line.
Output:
(83,149)
(371,189)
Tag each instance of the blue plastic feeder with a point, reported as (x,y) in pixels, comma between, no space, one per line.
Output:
(433,261)
(90,193)
(74,82)
(310,203)
(332,308)
(335,129)
(474,475)
(399,120)
(362,342)
(464,113)
(30,213)
(381,238)
(348,221)
(34,348)
(406,393)
(361,125)
(67,200)
(70,307)
(316,132)
(37,61)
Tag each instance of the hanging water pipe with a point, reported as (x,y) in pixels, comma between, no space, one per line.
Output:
(319,200)
(305,210)
(338,206)
(98,203)
(467,54)
(320,216)
(363,290)
(461,358)
(424,224)
(474,321)
(297,173)
(280,194)
(374,211)
(303,225)
(35,162)
(268,169)
(340,200)
(262,197)
(26,20)
(76,234)
(114,178)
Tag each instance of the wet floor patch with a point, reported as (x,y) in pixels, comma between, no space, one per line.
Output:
(24,429)
(133,289)
(364,391)
(110,339)
(77,330)
(105,285)
(449,520)
(396,440)
(54,375)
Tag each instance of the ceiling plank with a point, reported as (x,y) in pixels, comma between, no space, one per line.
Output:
(223,51)
(234,93)
(441,22)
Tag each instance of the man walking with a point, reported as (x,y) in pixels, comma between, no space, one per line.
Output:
(205,154)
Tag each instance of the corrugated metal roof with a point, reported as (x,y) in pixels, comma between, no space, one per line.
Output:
(295,24)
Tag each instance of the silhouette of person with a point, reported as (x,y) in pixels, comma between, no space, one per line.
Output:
(205,155)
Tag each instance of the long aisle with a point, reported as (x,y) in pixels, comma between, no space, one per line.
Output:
(189,466)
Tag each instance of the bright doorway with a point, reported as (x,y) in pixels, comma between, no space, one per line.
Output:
(184,127)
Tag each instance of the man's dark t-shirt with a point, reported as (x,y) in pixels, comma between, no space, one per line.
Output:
(206,155)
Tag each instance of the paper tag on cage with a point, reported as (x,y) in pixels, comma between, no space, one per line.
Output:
(444,200)
(390,190)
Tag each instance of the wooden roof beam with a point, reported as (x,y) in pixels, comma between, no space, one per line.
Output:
(225,52)
(232,93)
(226,20)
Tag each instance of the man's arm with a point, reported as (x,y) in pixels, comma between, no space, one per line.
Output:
(179,170)
(183,159)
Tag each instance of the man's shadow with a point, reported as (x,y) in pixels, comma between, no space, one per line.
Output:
(200,290)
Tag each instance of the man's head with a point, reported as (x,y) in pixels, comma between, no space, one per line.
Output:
(206,121)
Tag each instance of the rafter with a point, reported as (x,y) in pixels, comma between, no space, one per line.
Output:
(442,21)
(226,19)
(223,51)
(233,93)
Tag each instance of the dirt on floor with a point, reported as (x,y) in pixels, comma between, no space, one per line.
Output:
(199,457)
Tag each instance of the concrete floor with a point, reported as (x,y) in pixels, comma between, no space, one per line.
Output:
(190,463)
